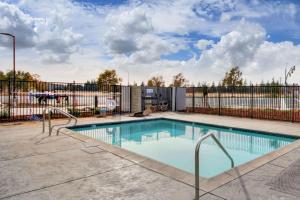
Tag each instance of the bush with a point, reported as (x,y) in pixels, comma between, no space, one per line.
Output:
(98,111)
(4,113)
(75,112)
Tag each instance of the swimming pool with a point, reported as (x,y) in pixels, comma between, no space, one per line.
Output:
(173,142)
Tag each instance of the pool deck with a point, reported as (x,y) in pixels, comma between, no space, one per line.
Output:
(36,166)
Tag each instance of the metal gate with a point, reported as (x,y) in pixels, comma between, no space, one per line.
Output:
(157,98)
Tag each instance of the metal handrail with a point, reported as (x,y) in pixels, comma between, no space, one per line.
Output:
(50,108)
(199,142)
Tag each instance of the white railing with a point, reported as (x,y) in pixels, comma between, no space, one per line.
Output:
(51,108)
(197,148)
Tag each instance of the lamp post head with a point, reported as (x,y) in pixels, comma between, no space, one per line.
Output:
(8,34)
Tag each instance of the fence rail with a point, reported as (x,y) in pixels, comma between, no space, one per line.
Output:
(260,102)
(28,99)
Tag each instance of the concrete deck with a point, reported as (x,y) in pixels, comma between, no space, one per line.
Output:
(36,166)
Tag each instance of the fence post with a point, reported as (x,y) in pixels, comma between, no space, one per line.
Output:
(73,94)
(193,100)
(251,88)
(120,99)
(175,98)
(293,110)
(219,98)
(130,99)
(95,102)
(9,94)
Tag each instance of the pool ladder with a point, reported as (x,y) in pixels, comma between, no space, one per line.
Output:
(51,108)
(197,148)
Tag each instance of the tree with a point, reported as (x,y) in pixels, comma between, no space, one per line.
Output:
(2,75)
(156,81)
(204,84)
(213,87)
(20,76)
(91,85)
(178,81)
(213,84)
(108,77)
(21,80)
(134,84)
(233,77)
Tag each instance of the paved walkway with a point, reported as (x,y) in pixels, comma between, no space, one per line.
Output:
(35,166)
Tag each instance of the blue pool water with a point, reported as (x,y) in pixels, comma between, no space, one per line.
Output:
(173,143)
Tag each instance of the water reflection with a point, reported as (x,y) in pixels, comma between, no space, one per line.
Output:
(143,132)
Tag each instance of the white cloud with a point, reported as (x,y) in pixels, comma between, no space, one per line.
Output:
(132,37)
(124,29)
(204,44)
(57,43)
(84,39)
(150,49)
(48,35)
(13,20)
(236,48)
(246,47)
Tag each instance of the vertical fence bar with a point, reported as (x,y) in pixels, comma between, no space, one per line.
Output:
(9,106)
(281,101)
(271,96)
(73,97)
(293,103)
(193,100)
(120,99)
(175,98)
(219,99)
(251,99)
(115,91)
(113,88)
(297,104)
(95,100)
(286,96)
(130,101)
(49,122)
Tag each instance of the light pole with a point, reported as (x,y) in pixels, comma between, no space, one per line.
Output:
(14,61)
(288,73)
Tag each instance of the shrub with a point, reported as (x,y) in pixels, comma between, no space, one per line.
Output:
(4,113)
(75,112)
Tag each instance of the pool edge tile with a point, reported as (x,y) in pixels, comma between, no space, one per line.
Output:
(179,175)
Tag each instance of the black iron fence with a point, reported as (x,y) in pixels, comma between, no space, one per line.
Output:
(29,98)
(261,102)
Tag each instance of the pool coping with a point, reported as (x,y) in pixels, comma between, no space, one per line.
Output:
(206,184)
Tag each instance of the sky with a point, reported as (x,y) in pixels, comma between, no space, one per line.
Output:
(75,40)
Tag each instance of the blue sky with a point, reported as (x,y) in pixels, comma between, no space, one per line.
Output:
(200,38)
